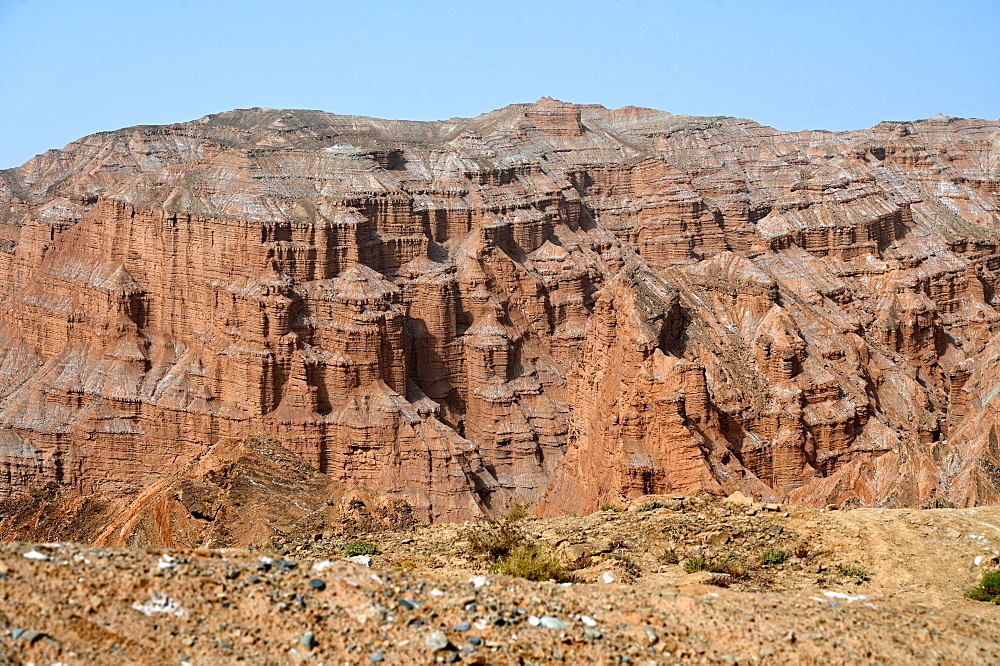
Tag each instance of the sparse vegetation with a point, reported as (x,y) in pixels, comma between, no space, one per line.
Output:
(854,571)
(721,565)
(493,539)
(360,548)
(631,569)
(988,588)
(773,556)
(406,566)
(532,562)
(609,507)
(653,504)
(669,557)
(515,512)
(498,537)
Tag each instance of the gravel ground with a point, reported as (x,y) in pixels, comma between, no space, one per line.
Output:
(426,601)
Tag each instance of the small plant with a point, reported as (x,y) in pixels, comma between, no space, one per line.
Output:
(493,538)
(360,548)
(629,566)
(698,563)
(773,556)
(497,538)
(235,502)
(609,507)
(802,551)
(722,565)
(653,504)
(532,562)
(406,566)
(854,571)
(669,557)
(719,581)
(988,588)
(515,512)
(618,544)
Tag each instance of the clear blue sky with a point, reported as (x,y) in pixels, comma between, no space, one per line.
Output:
(73,67)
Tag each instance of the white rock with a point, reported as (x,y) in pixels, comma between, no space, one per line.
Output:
(322,565)
(160,603)
(363,560)
(589,621)
(479,581)
(35,555)
(550,622)
(979,560)
(437,593)
(845,597)
(607,577)
(533,620)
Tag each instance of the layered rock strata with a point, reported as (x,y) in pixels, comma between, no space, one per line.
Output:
(553,303)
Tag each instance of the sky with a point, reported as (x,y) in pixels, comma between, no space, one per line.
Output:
(73,67)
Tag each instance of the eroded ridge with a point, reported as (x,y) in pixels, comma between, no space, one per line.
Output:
(554,303)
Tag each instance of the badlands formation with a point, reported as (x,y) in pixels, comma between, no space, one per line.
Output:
(550,303)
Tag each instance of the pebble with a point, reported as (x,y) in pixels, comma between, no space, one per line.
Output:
(436,640)
(253,579)
(409,604)
(550,622)
(309,640)
(534,621)
(475,640)
(589,621)
(317,584)
(322,565)
(35,555)
(651,636)
(479,581)
(463,626)
(607,577)
(376,656)
(363,560)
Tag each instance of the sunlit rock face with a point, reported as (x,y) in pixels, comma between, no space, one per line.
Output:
(552,303)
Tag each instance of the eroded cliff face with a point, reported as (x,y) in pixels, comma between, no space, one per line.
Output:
(551,303)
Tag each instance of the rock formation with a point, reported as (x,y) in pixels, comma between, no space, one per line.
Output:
(553,303)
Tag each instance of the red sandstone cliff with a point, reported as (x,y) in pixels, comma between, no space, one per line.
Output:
(549,302)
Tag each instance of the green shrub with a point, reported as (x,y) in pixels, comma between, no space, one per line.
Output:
(854,571)
(698,563)
(773,556)
(360,548)
(653,504)
(988,588)
(609,507)
(536,563)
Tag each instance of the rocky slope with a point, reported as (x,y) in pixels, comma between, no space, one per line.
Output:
(427,601)
(554,303)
